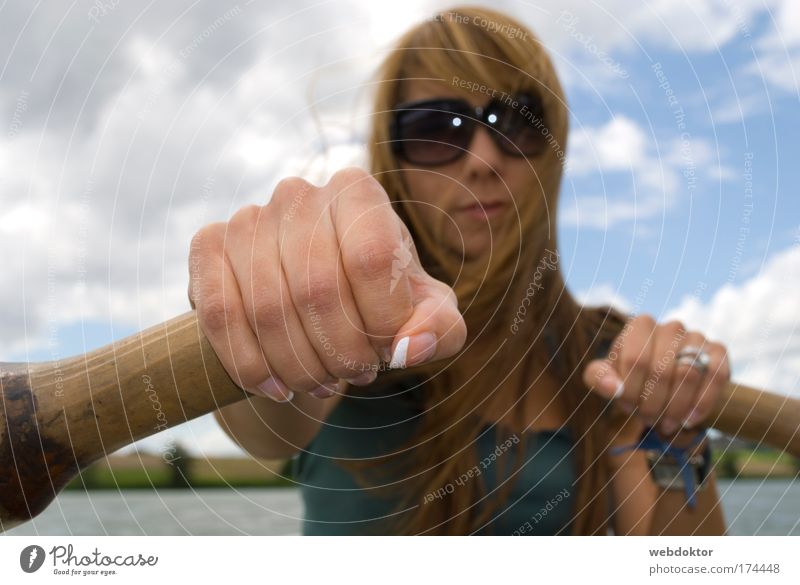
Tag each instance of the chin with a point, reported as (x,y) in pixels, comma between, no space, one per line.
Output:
(475,251)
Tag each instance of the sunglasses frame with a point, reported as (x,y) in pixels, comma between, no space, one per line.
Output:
(475,115)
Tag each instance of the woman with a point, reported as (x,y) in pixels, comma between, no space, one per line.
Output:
(504,402)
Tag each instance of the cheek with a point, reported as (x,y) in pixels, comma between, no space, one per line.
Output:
(520,175)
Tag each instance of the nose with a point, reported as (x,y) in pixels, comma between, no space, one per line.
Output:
(484,157)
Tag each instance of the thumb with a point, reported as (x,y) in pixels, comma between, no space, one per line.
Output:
(601,377)
(435,330)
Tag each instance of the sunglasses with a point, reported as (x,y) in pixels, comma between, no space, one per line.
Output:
(439,131)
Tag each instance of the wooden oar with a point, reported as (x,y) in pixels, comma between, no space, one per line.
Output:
(57,418)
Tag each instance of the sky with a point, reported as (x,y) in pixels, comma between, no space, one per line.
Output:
(125,127)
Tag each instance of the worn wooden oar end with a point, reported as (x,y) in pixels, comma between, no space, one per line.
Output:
(35,465)
(57,418)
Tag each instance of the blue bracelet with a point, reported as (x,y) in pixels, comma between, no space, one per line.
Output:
(650,441)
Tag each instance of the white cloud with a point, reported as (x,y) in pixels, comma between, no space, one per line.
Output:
(618,29)
(658,170)
(758,321)
(100,208)
(777,48)
(619,145)
(778,66)
(603,293)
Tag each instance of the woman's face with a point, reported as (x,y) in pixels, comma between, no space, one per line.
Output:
(450,193)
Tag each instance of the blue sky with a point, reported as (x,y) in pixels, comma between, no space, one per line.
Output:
(119,143)
(693,235)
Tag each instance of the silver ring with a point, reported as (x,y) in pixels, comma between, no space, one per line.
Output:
(695,357)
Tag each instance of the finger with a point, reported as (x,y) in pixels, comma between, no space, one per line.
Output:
(376,252)
(600,377)
(320,291)
(436,328)
(685,385)
(634,358)
(717,376)
(659,390)
(604,376)
(271,316)
(220,311)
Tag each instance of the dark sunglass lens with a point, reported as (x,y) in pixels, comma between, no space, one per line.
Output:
(433,136)
(522,128)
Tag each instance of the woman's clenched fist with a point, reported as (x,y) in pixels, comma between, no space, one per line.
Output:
(320,284)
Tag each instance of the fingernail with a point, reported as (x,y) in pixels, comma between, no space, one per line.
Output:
(386,354)
(364,378)
(275,389)
(325,391)
(612,382)
(413,350)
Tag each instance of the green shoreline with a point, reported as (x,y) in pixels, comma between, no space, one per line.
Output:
(145,471)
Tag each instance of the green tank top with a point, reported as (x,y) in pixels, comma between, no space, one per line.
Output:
(541,501)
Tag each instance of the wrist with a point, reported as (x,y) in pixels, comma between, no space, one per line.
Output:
(695,439)
(684,438)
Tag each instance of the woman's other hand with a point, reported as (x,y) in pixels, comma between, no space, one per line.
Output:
(642,373)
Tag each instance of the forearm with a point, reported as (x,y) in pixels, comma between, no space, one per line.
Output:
(642,507)
(272,430)
(672,516)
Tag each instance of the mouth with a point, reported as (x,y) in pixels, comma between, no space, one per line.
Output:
(489,209)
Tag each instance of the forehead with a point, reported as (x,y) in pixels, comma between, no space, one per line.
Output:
(421,88)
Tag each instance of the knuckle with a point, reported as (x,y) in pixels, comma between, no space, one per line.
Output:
(205,239)
(320,294)
(289,188)
(290,185)
(648,319)
(245,218)
(214,314)
(644,320)
(370,260)
(675,325)
(676,330)
(349,175)
(269,314)
(356,178)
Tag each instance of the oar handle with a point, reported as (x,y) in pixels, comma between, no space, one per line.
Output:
(56,418)
(763,417)
(62,416)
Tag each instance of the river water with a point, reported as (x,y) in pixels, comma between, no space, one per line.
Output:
(752,507)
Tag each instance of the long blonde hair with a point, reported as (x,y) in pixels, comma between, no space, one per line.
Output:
(459,42)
